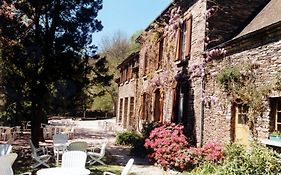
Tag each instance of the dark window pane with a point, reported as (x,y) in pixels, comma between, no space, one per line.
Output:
(279,117)
(278,127)
(279,105)
(242,119)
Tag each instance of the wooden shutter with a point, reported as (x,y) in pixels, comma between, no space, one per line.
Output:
(188,24)
(157,60)
(178,41)
(174,110)
(161,106)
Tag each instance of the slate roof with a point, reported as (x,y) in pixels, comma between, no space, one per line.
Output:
(269,15)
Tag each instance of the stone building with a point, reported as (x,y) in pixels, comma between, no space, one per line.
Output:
(127,91)
(185,53)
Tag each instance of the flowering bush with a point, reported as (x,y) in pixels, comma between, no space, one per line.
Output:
(211,151)
(167,143)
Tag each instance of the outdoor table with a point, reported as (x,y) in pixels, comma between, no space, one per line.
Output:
(63,171)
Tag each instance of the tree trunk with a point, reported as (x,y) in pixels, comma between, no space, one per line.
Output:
(36,119)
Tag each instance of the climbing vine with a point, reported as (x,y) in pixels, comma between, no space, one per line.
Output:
(239,82)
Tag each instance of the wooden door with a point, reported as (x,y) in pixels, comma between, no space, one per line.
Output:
(241,124)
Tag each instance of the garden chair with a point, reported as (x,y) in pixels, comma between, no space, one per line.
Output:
(6,163)
(74,159)
(47,132)
(97,156)
(27,127)
(5,149)
(7,134)
(40,155)
(16,131)
(60,142)
(126,169)
(78,146)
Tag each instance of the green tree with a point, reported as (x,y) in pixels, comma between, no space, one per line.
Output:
(116,48)
(46,46)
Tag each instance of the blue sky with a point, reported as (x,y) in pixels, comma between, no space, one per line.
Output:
(128,16)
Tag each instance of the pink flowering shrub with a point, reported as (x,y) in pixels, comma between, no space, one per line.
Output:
(211,151)
(169,148)
(167,142)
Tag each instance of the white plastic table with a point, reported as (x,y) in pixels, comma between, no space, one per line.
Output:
(63,171)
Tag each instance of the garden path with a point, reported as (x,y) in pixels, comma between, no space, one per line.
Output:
(92,131)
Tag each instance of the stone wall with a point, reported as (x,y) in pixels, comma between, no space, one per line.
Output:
(127,90)
(149,50)
(263,49)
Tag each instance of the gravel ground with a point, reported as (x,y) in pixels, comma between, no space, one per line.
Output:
(93,131)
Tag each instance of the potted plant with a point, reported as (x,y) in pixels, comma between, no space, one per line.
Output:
(275,136)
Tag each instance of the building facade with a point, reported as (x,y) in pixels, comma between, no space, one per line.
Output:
(184,63)
(127,92)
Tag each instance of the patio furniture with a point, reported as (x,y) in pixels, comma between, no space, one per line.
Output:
(60,142)
(74,159)
(97,156)
(6,163)
(126,169)
(7,133)
(47,132)
(16,131)
(5,149)
(40,155)
(78,146)
(27,126)
(63,171)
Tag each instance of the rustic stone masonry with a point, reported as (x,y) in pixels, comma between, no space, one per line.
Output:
(262,48)
(213,120)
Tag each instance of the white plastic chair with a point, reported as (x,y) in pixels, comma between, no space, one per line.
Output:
(126,169)
(6,163)
(16,132)
(78,146)
(5,149)
(7,134)
(47,132)
(60,145)
(97,156)
(40,155)
(74,159)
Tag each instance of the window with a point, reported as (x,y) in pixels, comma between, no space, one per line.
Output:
(158,106)
(242,111)
(183,43)
(125,112)
(131,111)
(160,54)
(276,113)
(130,72)
(120,110)
(144,107)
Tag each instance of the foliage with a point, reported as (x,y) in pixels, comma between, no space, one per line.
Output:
(276,133)
(240,84)
(133,139)
(210,152)
(228,77)
(238,160)
(46,48)
(166,142)
(116,48)
(148,127)
(127,138)
(258,160)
